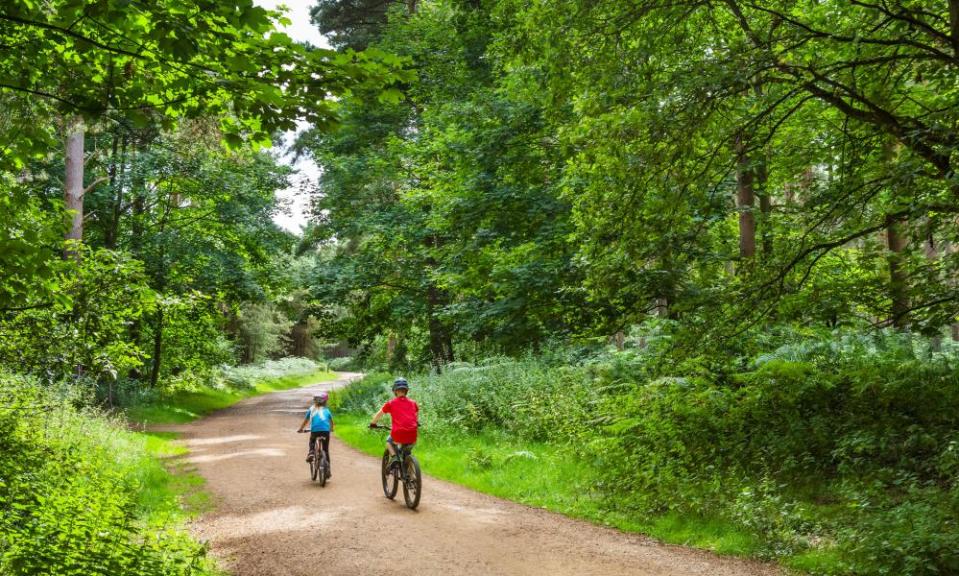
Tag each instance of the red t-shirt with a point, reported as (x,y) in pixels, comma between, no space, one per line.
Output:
(405,415)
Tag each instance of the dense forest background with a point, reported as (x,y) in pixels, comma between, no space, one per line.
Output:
(569,170)
(718,239)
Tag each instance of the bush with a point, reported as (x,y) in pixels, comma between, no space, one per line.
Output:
(343,363)
(70,485)
(845,443)
(365,396)
(846,440)
(248,375)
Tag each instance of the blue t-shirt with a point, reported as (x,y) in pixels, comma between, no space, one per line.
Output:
(320,418)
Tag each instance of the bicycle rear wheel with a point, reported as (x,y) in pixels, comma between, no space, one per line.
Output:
(413,483)
(323,466)
(315,462)
(390,480)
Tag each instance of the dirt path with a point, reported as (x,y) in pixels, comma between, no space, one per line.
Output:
(270,519)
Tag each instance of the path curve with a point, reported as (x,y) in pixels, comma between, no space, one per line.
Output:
(269,519)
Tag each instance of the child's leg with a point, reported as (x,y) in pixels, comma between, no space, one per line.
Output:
(390,447)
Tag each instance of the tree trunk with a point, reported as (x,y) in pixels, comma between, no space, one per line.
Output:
(765,207)
(619,339)
(117,167)
(157,349)
(390,347)
(745,199)
(954,26)
(898,287)
(301,338)
(441,341)
(73,183)
(136,247)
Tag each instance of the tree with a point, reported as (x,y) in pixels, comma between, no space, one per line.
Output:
(167,60)
(443,205)
(352,23)
(676,87)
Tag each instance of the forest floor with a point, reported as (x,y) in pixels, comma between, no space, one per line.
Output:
(269,518)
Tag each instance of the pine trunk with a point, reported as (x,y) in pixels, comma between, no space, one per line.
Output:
(441,341)
(157,349)
(73,184)
(745,199)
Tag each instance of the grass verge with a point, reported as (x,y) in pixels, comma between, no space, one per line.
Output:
(544,476)
(182,407)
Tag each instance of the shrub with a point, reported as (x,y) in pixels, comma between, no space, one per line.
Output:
(365,396)
(343,363)
(841,442)
(863,428)
(246,376)
(69,493)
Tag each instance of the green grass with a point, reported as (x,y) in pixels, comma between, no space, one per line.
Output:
(544,476)
(170,488)
(182,407)
(817,561)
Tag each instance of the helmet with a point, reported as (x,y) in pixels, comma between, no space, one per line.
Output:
(321,397)
(401,384)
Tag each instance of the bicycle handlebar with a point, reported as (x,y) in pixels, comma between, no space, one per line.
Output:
(379,427)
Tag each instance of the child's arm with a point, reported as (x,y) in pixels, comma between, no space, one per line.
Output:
(376,417)
(305,420)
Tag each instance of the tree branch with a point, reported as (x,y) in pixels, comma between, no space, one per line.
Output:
(70,33)
(95,183)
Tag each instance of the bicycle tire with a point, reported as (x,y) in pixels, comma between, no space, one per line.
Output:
(390,481)
(324,464)
(413,483)
(315,462)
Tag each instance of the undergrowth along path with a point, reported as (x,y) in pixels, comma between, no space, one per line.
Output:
(269,518)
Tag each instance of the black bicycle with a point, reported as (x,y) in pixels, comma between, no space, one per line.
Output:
(320,464)
(404,469)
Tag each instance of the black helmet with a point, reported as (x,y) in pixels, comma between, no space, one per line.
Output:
(401,384)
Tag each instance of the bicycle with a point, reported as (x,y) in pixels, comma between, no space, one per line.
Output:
(320,464)
(405,469)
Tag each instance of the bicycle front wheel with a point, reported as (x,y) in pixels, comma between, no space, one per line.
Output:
(413,483)
(390,480)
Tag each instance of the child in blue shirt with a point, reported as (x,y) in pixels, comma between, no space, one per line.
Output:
(321,424)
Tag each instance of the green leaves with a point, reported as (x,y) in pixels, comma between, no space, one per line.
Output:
(126,59)
(73,493)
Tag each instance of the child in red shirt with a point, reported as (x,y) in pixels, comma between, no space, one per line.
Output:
(405,416)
